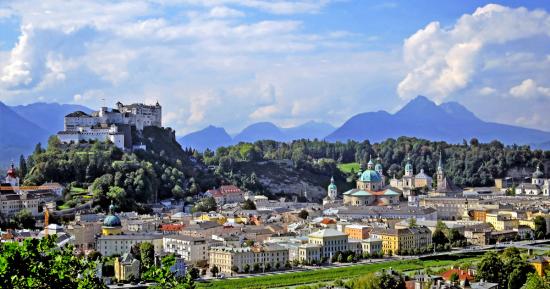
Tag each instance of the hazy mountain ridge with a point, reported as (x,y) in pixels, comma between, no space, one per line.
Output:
(48,116)
(213,137)
(422,118)
(23,126)
(450,122)
(19,135)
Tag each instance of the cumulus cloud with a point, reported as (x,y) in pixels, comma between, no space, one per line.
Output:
(529,89)
(442,61)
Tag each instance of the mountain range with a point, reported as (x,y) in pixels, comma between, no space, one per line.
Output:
(213,137)
(422,118)
(23,126)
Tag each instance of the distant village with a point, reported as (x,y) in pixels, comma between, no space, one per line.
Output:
(382,217)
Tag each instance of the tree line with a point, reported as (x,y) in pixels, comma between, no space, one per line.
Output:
(467,164)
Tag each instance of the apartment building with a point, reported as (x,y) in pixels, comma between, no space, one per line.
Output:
(229,258)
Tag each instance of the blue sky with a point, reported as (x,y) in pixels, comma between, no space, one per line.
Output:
(234,62)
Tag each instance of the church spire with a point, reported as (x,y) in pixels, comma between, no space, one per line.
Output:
(371,163)
(440,163)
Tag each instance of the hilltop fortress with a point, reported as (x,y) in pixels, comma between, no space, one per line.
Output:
(115,125)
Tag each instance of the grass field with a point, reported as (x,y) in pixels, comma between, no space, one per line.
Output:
(331,274)
(346,168)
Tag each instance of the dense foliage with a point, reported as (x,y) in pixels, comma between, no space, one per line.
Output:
(41,264)
(468,164)
(508,268)
(129,179)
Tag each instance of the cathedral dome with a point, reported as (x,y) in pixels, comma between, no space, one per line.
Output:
(112,221)
(378,167)
(370,176)
(332,186)
(408,167)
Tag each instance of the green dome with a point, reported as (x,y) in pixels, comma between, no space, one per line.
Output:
(370,176)
(111,221)
(378,167)
(332,186)
(408,167)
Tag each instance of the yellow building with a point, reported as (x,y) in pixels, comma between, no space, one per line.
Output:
(541,264)
(398,240)
(126,268)
(213,217)
(502,222)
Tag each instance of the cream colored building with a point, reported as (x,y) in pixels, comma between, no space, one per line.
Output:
(502,222)
(126,268)
(189,248)
(227,258)
(331,241)
(120,244)
(309,252)
(371,246)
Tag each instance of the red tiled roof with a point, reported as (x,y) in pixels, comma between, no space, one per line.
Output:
(462,274)
(171,227)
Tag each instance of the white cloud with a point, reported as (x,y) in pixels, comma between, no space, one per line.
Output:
(224,12)
(487,90)
(442,61)
(272,6)
(529,89)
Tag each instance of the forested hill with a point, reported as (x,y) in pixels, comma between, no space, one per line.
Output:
(468,164)
(129,179)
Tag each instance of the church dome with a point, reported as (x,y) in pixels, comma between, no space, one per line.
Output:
(370,176)
(332,186)
(408,167)
(111,221)
(378,167)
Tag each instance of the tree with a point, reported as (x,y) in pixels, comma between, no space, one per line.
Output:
(412,222)
(256,267)
(22,167)
(214,270)
(248,205)
(234,269)
(439,238)
(147,252)
(540,227)
(117,194)
(40,263)
(194,273)
(453,278)
(392,281)
(205,205)
(246,268)
(24,219)
(303,214)
(534,281)
(490,268)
